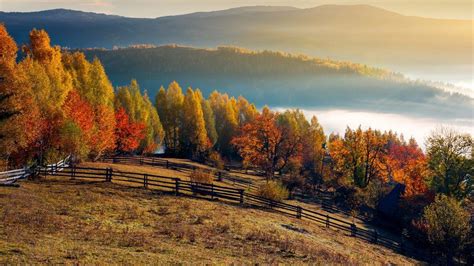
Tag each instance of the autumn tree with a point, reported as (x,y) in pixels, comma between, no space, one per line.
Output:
(406,164)
(450,162)
(209,119)
(140,110)
(92,84)
(360,155)
(447,225)
(19,123)
(169,104)
(293,127)
(313,152)
(78,127)
(259,142)
(194,138)
(246,110)
(51,83)
(226,120)
(128,133)
(49,57)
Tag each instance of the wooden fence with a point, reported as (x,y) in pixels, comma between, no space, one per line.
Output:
(181,187)
(220,175)
(10,177)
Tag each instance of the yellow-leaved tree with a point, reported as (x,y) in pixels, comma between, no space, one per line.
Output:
(194,135)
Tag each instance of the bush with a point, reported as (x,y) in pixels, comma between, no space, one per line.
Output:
(447,225)
(216,160)
(201,176)
(273,190)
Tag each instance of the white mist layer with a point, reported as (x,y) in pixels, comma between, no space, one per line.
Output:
(336,121)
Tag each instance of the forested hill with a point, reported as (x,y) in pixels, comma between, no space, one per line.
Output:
(335,31)
(282,80)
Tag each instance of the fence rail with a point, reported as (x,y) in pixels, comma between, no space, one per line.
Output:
(10,177)
(181,187)
(221,175)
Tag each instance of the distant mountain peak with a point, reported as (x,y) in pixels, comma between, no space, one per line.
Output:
(61,12)
(365,9)
(242,10)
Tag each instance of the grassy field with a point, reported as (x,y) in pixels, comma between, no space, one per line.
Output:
(63,221)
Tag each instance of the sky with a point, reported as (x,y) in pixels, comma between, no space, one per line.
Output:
(455,9)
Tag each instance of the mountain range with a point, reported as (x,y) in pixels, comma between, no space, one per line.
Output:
(357,33)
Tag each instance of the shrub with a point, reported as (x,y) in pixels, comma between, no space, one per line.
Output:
(201,176)
(447,225)
(273,190)
(216,160)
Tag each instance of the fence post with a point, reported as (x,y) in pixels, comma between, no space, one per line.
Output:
(353,230)
(114,160)
(299,210)
(212,191)
(176,180)
(141,160)
(327,221)
(73,171)
(145,180)
(241,197)
(403,241)
(153,161)
(167,164)
(108,175)
(376,237)
(219,176)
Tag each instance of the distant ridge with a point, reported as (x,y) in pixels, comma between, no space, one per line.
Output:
(357,33)
(282,80)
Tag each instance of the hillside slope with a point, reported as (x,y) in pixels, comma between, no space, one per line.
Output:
(62,221)
(358,33)
(281,80)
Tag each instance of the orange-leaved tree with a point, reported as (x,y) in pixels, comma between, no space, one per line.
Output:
(80,123)
(408,166)
(19,114)
(128,133)
(260,142)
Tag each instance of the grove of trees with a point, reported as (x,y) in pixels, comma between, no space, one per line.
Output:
(55,103)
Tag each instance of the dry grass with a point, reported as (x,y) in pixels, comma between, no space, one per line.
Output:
(200,176)
(258,180)
(60,221)
(186,175)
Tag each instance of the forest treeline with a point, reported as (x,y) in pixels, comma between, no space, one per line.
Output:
(56,103)
(265,77)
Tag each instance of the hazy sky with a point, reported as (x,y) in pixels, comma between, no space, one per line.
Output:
(461,9)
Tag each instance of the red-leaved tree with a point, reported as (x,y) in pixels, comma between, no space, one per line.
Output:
(128,134)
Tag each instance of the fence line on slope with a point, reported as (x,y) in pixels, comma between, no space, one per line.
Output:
(181,187)
(10,177)
(220,175)
(158,162)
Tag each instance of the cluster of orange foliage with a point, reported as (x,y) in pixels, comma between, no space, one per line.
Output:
(282,142)
(364,156)
(128,132)
(58,103)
